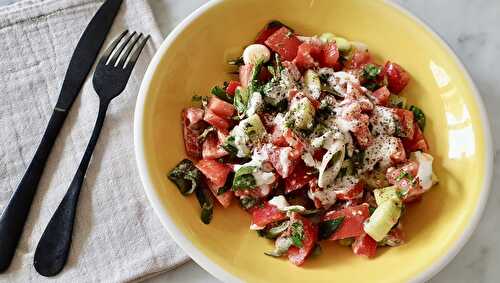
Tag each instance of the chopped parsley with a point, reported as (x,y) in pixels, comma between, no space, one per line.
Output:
(297,234)
(371,72)
(418,116)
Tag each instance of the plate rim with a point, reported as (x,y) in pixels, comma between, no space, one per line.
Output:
(219,272)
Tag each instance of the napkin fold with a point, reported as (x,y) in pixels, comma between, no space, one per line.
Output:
(117,237)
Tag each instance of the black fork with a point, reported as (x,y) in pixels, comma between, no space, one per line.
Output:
(110,78)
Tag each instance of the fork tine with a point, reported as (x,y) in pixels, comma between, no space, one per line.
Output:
(137,52)
(112,46)
(116,54)
(126,52)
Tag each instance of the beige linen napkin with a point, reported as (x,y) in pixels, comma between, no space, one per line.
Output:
(117,236)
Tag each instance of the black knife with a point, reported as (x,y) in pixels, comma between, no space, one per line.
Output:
(88,47)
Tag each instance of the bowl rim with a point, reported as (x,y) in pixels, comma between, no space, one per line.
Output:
(225,276)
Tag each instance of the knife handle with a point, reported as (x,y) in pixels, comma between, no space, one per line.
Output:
(15,214)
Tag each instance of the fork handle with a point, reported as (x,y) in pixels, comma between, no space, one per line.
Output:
(53,248)
(17,210)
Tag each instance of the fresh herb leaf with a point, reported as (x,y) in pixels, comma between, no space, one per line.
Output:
(236,62)
(255,85)
(247,202)
(371,209)
(276,24)
(419,116)
(229,146)
(206,203)
(371,85)
(403,175)
(370,72)
(185,176)
(207,212)
(222,94)
(244,182)
(297,234)
(241,98)
(327,228)
(244,179)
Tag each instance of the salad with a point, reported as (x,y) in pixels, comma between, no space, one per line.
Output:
(314,140)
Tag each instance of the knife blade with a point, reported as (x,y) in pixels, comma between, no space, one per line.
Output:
(17,210)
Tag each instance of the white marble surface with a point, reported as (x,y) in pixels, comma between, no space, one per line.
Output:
(471,27)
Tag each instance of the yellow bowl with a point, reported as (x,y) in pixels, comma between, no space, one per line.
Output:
(192,60)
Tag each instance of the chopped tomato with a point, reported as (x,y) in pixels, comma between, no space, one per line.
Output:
(405,125)
(216,121)
(319,153)
(365,245)
(245,72)
(295,142)
(352,225)
(418,141)
(277,137)
(212,148)
(396,237)
(215,171)
(399,154)
(397,77)
(353,192)
(329,55)
(225,198)
(300,177)
(359,59)
(231,87)
(221,108)
(307,55)
(297,255)
(410,167)
(284,42)
(282,161)
(404,177)
(381,96)
(363,135)
(266,32)
(266,214)
(194,116)
(191,131)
